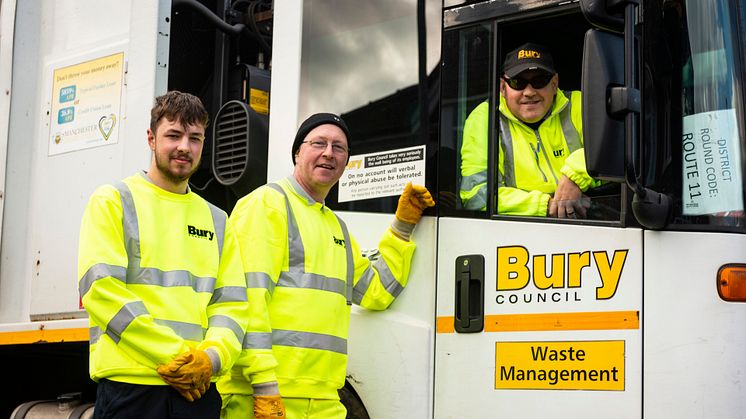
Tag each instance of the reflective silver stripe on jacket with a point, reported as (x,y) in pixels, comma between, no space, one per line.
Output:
(219,219)
(468,183)
(260,280)
(179,278)
(98,271)
(350,274)
(311,281)
(94,334)
(228,295)
(507,178)
(568,129)
(189,331)
(478,201)
(228,323)
(309,340)
(389,282)
(257,340)
(123,318)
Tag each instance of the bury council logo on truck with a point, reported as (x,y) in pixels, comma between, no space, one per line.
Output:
(523,278)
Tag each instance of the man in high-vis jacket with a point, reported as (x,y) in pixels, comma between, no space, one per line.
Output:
(300,257)
(161,279)
(541,158)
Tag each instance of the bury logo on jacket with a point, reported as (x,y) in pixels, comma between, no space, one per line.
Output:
(196,232)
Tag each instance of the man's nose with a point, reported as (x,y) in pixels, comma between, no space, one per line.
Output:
(183,143)
(328,151)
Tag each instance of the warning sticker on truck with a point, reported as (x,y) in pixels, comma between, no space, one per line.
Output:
(382,174)
(573,365)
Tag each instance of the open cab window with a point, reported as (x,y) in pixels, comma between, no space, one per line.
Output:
(503,165)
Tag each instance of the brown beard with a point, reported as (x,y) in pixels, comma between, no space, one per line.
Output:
(163,167)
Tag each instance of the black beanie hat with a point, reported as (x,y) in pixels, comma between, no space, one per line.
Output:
(314,121)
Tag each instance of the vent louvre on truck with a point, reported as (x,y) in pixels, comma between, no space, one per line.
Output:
(231,136)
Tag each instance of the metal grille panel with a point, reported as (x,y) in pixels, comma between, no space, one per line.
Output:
(231,148)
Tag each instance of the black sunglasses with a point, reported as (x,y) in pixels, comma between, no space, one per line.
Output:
(537,82)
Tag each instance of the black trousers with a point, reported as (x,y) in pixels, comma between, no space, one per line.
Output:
(115,400)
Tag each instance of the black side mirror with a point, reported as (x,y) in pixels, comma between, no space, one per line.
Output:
(604,14)
(610,96)
(603,130)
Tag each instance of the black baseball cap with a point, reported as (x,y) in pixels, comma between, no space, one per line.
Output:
(314,121)
(528,56)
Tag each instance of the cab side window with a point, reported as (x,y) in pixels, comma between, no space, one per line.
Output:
(465,87)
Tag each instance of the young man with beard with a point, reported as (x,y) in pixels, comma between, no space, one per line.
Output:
(300,258)
(161,279)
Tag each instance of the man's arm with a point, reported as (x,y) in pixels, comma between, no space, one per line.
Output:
(473,188)
(260,222)
(119,313)
(514,201)
(380,279)
(226,312)
(568,200)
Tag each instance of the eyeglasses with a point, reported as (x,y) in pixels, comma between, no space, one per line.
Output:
(537,82)
(322,145)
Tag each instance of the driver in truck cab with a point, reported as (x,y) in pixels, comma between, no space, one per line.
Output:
(541,159)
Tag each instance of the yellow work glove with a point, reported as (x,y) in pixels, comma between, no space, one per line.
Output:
(412,202)
(189,373)
(268,407)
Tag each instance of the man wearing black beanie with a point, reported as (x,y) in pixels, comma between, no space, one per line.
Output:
(302,265)
(314,121)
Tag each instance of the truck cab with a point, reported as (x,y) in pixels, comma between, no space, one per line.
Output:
(632,311)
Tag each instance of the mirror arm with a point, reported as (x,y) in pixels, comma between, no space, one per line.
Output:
(625,93)
(652,209)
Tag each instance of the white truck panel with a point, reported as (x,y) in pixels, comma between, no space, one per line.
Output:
(400,383)
(285,86)
(466,363)
(681,267)
(47,193)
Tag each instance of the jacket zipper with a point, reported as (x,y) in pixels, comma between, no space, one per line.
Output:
(546,157)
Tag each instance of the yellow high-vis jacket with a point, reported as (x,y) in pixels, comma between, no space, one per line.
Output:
(530,163)
(159,273)
(300,259)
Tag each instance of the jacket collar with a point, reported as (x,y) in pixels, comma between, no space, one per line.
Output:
(300,191)
(144,174)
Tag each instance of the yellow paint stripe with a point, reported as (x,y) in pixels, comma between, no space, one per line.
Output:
(44,336)
(602,320)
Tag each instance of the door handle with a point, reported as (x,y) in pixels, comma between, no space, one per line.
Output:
(469,304)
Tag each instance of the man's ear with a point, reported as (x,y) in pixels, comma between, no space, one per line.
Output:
(151,140)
